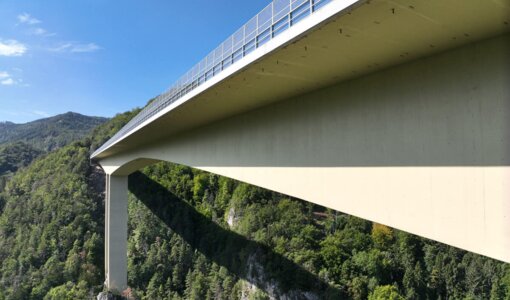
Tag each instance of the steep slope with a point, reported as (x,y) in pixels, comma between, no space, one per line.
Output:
(50,133)
(51,225)
(195,235)
(15,156)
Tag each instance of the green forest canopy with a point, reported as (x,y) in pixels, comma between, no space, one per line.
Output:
(50,133)
(196,235)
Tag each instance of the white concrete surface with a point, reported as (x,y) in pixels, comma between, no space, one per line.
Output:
(396,111)
(338,43)
(423,147)
(116,232)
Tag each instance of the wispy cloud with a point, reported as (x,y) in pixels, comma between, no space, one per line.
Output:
(41,113)
(75,47)
(41,32)
(8,81)
(62,47)
(20,113)
(25,18)
(11,48)
(90,47)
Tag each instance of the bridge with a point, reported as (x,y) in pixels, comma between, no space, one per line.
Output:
(395,111)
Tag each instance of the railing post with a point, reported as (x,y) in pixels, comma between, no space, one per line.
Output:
(290,13)
(222,54)
(272,19)
(272,13)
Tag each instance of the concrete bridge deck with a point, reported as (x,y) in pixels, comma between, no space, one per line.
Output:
(393,111)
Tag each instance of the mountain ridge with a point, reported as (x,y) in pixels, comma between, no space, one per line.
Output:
(50,133)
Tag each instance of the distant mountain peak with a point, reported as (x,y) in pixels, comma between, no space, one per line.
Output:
(50,133)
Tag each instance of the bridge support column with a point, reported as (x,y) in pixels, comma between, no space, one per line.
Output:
(116,217)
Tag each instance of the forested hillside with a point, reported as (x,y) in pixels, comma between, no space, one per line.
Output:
(195,235)
(15,156)
(51,224)
(49,133)
(20,144)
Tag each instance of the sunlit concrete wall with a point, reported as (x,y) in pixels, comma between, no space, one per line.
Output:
(423,147)
(116,219)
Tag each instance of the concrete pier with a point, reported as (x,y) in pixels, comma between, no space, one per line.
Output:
(116,232)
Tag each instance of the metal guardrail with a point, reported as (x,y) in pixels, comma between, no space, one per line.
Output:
(274,19)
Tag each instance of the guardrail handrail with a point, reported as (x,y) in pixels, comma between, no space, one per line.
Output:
(267,24)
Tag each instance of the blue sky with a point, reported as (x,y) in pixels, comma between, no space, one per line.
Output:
(100,57)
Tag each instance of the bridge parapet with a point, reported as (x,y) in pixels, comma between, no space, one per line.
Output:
(271,21)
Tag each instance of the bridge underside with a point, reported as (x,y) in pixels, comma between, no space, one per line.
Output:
(423,147)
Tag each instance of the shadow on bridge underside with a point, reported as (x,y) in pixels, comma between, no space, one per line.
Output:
(225,247)
(447,110)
